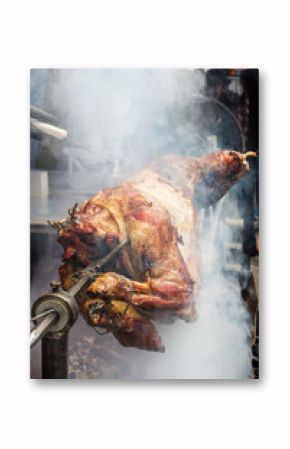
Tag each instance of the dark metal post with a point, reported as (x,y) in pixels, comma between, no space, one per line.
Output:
(54,355)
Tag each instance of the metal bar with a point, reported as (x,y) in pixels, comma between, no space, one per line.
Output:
(92,269)
(48,129)
(39,114)
(54,360)
(41,315)
(75,289)
(42,327)
(101,262)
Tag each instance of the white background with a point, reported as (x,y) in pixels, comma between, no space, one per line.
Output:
(157,34)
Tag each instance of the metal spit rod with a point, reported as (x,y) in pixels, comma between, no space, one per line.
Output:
(43,327)
(50,317)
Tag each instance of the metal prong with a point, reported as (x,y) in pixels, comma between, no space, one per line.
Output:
(42,328)
(35,318)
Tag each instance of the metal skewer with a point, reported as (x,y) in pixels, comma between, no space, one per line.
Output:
(59,308)
(41,315)
(43,327)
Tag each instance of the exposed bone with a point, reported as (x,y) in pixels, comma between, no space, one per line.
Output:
(249,154)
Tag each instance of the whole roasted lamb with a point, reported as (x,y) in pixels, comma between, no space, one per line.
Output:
(155,274)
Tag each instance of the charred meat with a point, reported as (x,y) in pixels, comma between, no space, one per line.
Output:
(154,276)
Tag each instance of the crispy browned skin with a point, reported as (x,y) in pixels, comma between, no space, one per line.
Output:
(154,276)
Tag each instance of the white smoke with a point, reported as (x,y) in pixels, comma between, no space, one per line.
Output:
(129,117)
(217,345)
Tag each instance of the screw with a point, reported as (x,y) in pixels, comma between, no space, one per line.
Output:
(55,285)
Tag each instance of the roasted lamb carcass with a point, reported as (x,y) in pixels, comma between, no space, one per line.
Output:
(155,274)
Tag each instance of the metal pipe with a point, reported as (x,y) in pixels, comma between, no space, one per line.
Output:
(42,327)
(40,114)
(48,129)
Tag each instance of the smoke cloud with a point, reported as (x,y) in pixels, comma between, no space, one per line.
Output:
(217,345)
